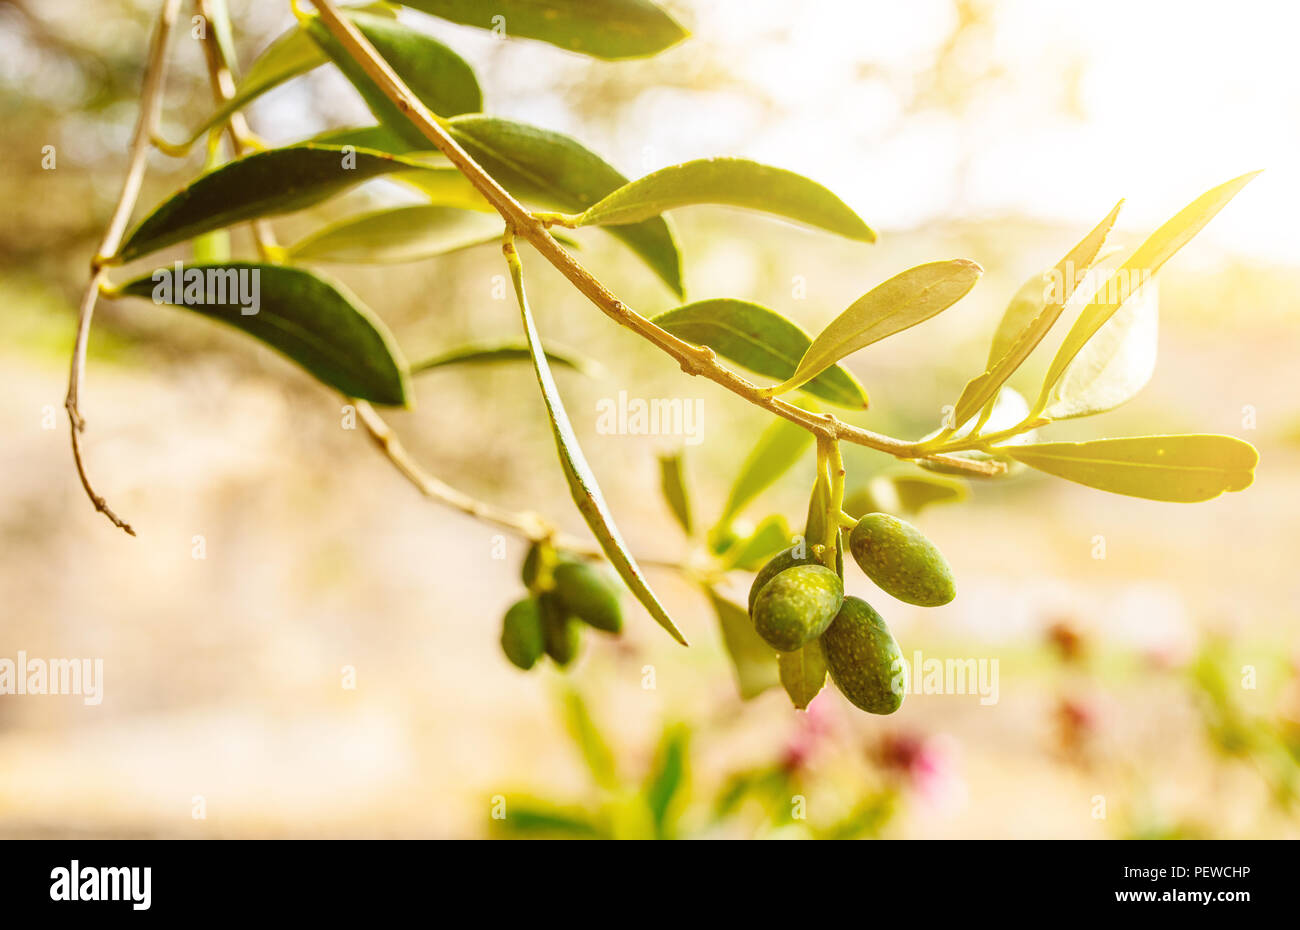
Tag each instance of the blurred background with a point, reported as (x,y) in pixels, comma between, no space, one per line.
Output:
(330,665)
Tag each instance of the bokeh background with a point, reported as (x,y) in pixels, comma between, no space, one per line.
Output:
(995,131)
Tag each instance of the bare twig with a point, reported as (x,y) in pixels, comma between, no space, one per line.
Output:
(145,127)
(693,359)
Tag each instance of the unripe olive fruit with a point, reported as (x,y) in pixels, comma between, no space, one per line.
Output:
(864,659)
(521,633)
(587,593)
(898,558)
(561,634)
(784,559)
(797,605)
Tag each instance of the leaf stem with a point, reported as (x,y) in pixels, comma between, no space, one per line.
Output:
(693,359)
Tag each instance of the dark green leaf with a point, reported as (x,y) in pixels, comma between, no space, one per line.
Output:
(672,482)
(760,339)
(582,483)
(1182,468)
(316,323)
(536,164)
(752,660)
(734,182)
(262,184)
(610,29)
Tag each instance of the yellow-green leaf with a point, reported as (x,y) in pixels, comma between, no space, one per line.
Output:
(779,447)
(672,482)
(610,29)
(483,353)
(1181,468)
(752,660)
(901,302)
(582,482)
(733,182)
(803,673)
(398,234)
(769,537)
(1141,266)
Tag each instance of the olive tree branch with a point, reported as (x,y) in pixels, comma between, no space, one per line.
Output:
(145,127)
(693,359)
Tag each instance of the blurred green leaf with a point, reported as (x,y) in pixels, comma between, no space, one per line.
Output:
(1141,266)
(1032,312)
(537,164)
(735,182)
(590,742)
(1181,468)
(770,537)
(582,483)
(262,184)
(610,29)
(803,673)
(667,778)
(761,340)
(536,818)
(752,660)
(1113,365)
(398,234)
(901,302)
(483,353)
(779,447)
(313,321)
(440,78)
(905,494)
(672,482)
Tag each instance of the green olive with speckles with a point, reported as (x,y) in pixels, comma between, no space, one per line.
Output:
(901,561)
(587,593)
(864,659)
(797,605)
(561,634)
(778,563)
(521,633)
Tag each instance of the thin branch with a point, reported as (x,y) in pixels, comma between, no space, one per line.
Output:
(145,127)
(693,359)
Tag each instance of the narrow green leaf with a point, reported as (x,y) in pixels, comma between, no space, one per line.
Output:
(1141,266)
(905,494)
(375,138)
(1181,468)
(487,353)
(313,321)
(262,184)
(589,740)
(290,55)
(733,182)
(610,29)
(440,78)
(536,164)
(667,779)
(582,483)
(537,818)
(815,526)
(760,339)
(770,536)
(780,446)
(752,660)
(901,302)
(1113,365)
(803,673)
(1028,318)
(398,234)
(672,482)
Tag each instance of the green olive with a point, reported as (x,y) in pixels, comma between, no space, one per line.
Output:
(797,605)
(784,559)
(589,594)
(864,659)
(898,558)
(521,633)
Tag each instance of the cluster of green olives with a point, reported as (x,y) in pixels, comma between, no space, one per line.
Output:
(795,600)
(564,592)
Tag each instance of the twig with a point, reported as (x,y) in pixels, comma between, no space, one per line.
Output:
(145,127)
(694,360)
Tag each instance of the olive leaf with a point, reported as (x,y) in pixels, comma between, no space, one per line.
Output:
(672,482)
(903,301)
(1113,365)
(486,353)
(760,339)
(666,780)
(292,54)
(1180,468)
(905,494)
(440,78)
(589,740)
(313,321)
(610,29)
(262,184)
(1032,312)
(803,673)
(779,447)
(1140,267)
(532,817)
(537,164)
(752,660)
(582,483)
(734,182)
(398,234)
(770,536)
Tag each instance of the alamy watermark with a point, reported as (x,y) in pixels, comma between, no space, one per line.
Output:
(53,676)
(655,416)
(231,286)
